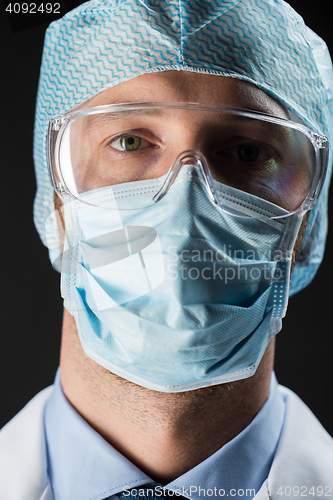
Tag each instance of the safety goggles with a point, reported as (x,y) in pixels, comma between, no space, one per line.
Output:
(272,158)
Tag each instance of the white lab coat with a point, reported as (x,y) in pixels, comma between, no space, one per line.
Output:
(304,457)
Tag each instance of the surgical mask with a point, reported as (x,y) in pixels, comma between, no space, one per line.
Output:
(179,302)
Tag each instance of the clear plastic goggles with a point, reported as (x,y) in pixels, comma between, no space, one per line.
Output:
(275,159)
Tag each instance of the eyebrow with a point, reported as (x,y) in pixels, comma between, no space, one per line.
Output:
(107,117)
(104,118)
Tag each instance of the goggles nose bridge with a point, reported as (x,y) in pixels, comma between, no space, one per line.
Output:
(194,159)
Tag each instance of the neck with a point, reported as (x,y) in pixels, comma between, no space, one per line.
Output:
(163,434)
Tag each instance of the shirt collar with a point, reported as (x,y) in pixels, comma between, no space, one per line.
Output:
(82,465)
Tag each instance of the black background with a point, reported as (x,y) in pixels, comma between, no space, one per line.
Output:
(31,312)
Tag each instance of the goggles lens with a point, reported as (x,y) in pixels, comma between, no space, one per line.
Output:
(261,155)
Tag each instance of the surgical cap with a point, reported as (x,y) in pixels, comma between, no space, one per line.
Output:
(265,42)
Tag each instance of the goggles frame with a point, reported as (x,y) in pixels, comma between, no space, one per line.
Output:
(59,124)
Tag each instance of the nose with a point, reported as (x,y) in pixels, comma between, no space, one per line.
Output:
(197,160)
(198,141)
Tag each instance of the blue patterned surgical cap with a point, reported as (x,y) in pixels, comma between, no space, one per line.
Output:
(105,42)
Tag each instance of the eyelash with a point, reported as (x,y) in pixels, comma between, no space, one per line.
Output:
(129,134)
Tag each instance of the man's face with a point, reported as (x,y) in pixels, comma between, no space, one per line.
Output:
(167,134)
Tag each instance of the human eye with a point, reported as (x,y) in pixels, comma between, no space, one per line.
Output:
(248,152)
(130,142)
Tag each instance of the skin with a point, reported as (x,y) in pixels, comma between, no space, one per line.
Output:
(166,434)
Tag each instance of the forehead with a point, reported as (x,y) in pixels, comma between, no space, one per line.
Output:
(184,86)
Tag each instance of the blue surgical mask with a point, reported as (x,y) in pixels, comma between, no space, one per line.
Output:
(180,295)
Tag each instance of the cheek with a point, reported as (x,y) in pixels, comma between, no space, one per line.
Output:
(94,169)
(286,185)
(293,189)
